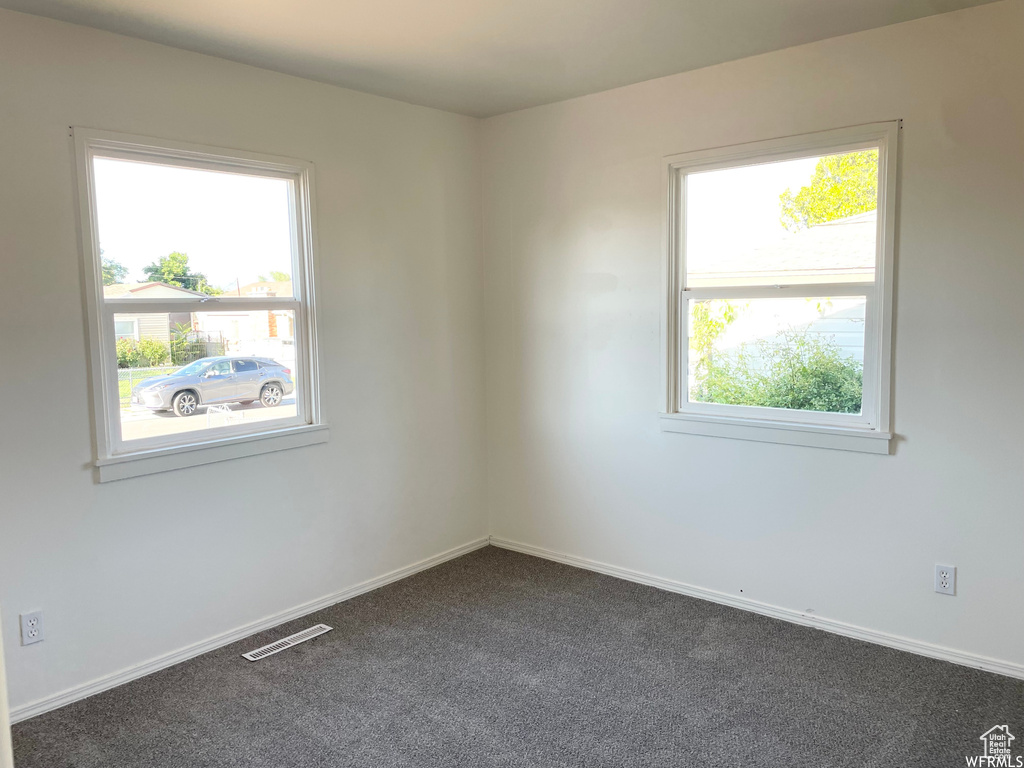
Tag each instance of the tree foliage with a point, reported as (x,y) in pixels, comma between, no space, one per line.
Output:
(113,272)
(710,319)
(275,276)
(181,347)
(842,185)
(173,269)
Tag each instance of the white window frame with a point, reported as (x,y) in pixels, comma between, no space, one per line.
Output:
(135,328)
(868,431)
(117,459)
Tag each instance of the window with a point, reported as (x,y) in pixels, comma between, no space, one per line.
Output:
(779,276)
(126,329)
(200,303)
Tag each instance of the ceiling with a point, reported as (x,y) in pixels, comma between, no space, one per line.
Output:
(484,57)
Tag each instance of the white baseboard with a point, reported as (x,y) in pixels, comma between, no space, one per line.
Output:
(38,707)
(963,658)
(106,682)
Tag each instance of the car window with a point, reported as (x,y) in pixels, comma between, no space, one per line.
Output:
(193,369)
(244,366)
(222,368)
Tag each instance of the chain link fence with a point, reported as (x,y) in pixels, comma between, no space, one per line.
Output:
(133,363)
(127,378)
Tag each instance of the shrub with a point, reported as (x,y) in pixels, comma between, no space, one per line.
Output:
(153,352)
(796,370)
(128,355)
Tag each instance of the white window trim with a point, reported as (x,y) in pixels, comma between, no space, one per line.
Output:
(115,460)
(135,328)
(870,432)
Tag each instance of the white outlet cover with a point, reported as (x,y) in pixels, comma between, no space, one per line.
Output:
(945,579)
(31,627)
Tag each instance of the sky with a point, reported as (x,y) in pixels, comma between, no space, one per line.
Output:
(738,208)
(233,227)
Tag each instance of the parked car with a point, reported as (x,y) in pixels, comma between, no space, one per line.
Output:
(215,380)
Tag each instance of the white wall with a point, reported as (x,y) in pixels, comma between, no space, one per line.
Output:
(573,208)
(131,570)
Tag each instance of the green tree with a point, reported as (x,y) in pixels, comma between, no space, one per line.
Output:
(842,185)
(113,272)
(173,269)
(277,277)
(710,319)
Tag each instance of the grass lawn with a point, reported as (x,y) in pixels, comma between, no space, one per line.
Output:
(124,384)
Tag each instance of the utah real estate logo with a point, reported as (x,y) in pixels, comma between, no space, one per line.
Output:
(997,750)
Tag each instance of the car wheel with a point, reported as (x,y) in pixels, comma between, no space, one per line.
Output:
(271,395)
(185,403)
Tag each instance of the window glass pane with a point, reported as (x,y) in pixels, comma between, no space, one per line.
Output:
(804,354)
(181,232)
(811,220)
(195,371)
(124,329)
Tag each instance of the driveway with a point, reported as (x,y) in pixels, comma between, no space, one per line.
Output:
(138,423)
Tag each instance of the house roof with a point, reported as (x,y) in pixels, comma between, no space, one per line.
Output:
(840,250)
(145,290)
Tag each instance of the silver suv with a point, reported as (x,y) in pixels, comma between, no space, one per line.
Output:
(215,380)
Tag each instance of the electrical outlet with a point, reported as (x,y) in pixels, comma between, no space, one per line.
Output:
(945,579)
(31,627)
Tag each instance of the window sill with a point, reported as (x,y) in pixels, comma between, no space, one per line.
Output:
(180,457)
(811,435)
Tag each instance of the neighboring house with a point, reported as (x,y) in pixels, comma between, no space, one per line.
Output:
(148,325)
(254,332)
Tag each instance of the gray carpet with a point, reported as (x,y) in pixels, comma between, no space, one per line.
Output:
(499,659)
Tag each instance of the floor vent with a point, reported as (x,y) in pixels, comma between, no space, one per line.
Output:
(288,642)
